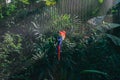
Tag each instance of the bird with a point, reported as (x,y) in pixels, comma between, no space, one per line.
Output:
(61,37)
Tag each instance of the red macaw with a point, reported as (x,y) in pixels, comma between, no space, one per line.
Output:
(62,35)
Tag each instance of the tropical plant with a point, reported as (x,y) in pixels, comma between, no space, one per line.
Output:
(106,27)
(11,48)
(86,52)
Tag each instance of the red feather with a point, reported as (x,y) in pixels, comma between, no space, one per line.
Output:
(58,52)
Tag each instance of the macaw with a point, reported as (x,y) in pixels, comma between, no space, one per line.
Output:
(62,35)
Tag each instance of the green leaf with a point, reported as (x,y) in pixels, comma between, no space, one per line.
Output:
(100,1)
(50,2)
(111,25)
(95,71)
(107,26)
(116,40)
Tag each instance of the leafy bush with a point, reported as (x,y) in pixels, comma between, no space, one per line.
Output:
(17,6)
(85,51)
(12,43)
(11,48)
(74,58)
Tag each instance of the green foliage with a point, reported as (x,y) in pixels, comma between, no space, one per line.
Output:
(12,43)
(1,15)
(16,7)
(47,48)
(100,1)
(77,57)
(7,10)
(115,40)
(50,2)
(25,1)
(42,46)
(61,21)
(97,72)
(84,50)
(107,27)
(9,54)
(10,9)
(94,12)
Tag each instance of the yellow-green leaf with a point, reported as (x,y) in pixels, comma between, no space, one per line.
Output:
(101,1)
(50,3)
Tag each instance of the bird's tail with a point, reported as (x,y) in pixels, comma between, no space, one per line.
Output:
(59,52)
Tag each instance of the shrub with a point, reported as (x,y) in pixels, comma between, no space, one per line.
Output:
(11,49)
